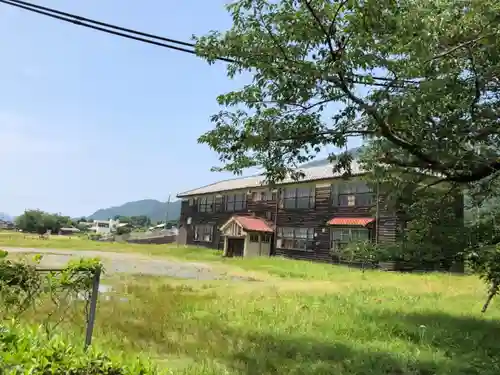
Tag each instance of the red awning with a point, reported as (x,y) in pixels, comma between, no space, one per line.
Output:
(253,224)
(359,221)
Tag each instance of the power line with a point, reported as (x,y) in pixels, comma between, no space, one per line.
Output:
(147,37)
(25,4)
(76,21)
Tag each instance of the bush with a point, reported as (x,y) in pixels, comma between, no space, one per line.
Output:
(363,252)
(95,236)
(27,350)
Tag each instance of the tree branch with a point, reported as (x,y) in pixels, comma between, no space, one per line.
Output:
(477,84)
(461,45)
(322,28)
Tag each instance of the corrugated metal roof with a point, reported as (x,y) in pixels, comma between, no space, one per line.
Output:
(253,224)
(360,221)
(310,174)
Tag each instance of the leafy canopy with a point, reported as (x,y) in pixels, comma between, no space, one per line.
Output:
(419,78)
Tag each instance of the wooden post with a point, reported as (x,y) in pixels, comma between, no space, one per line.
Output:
(377,215)
(93,307)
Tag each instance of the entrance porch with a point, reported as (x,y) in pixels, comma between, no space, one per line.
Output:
(247,236)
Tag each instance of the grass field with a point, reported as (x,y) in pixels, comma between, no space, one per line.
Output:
(267,266)
(379,323)
(303,318)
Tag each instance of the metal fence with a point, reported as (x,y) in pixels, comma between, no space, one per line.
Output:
(93,299)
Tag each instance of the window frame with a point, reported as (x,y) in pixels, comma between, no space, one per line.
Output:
(294,194)
(308,238)
(263,196)
(202,230)
(233,202)
(334,242)
(206,204)
(352,193)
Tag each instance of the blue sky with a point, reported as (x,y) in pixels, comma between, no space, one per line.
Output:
(89,120)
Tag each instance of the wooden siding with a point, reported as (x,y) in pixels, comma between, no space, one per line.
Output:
(388,228)
(217,218)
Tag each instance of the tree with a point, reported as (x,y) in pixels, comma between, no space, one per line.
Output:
(36,221)
(123,230)
(420,79)
(140,221)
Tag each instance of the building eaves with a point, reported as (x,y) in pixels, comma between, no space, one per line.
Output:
(310,174)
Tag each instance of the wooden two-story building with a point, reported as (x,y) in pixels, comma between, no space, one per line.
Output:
(307,219)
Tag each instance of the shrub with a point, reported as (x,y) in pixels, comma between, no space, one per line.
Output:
(28,350)
(486,263)
(95,236)
(363,252)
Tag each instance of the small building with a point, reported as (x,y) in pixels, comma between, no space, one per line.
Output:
(247,236)
(104,226)
(4,224)
(68,231)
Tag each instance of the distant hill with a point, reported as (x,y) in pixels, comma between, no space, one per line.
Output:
(152,208)
(320,162)
(6,217)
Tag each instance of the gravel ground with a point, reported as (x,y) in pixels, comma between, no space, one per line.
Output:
(129,263)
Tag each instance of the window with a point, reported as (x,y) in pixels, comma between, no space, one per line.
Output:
(236,202)
(340,237)
(264,238)
(352,194)
(299,197)
(264,196)
(206,204)
(203,233)
(295,238)
(254,237)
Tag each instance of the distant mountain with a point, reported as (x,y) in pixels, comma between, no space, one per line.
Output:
(6,217)
(320,162)
(152,208)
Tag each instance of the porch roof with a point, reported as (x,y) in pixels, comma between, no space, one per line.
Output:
(253,224)
(351,221)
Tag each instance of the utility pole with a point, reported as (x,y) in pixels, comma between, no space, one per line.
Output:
(166,213)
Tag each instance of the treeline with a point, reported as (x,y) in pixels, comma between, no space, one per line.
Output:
(37,221)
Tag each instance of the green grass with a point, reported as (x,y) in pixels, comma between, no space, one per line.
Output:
(379,323)
(17,239)
(277,267)
(303,318)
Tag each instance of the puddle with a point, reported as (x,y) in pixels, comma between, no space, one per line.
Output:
(105,293)
(104,288)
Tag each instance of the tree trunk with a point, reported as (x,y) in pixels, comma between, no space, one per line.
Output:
(493,292)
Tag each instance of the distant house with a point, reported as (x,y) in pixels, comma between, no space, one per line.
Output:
(68,231)
(4,224)
(106,226)
(103,226)
(173,231)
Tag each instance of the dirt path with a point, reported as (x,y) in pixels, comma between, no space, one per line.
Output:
(129,263)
